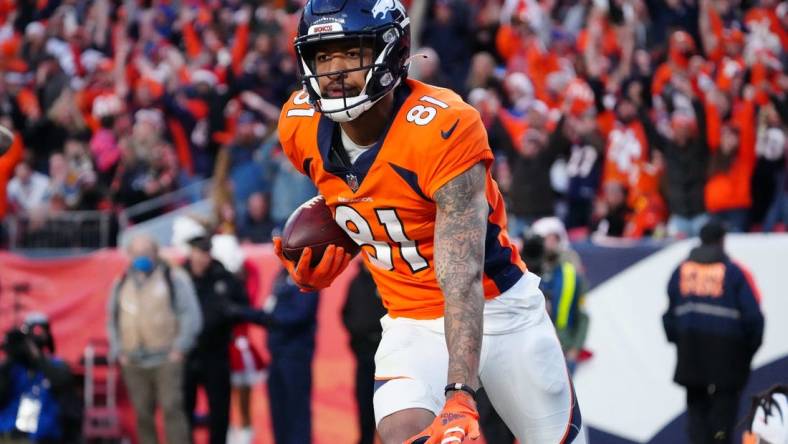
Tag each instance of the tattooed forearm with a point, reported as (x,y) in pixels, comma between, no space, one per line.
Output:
(460,229)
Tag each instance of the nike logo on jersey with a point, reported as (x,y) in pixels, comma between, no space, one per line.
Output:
(446,134)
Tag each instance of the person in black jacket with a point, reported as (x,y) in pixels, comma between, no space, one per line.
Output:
(686,154)
(223,302)
(292,324)
(714,319)
(361,315)
(531,195)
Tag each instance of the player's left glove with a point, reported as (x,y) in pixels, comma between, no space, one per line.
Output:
(458,420)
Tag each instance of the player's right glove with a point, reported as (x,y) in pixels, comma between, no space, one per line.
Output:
(332,264)
(458,420)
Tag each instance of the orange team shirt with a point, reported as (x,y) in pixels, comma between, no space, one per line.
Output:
(385,199)
(626,154)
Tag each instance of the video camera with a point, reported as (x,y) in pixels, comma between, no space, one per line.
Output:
(29,342)
(20,347)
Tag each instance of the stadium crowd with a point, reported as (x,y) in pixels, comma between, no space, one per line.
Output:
(626,118)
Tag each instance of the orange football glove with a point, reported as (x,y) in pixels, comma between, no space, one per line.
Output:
(331,265)
(458,420)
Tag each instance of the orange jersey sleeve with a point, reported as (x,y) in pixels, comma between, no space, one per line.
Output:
(466,146)
(296,120)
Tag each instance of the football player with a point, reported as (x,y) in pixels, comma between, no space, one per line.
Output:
(405,168)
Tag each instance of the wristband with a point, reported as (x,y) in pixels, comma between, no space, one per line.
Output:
(458,386)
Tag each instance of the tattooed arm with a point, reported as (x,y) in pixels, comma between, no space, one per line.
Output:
(460,230)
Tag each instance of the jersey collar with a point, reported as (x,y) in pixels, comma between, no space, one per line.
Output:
(328,133)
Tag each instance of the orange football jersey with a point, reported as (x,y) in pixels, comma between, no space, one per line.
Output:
(385,199)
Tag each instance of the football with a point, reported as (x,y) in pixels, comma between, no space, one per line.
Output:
(312,225)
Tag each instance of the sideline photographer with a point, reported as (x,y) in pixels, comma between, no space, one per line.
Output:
(38,401)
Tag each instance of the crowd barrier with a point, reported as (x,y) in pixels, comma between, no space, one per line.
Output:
(69,230)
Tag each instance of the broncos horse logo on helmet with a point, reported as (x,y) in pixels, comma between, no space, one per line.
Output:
(382,25)
(383,6)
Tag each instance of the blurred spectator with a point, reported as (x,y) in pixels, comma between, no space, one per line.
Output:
(104,143)
(672,14)
(579,139)
(770,170)
(81,172)
(8,162)
(153,321)
(34,45)
(501,128)
(38,394)
(148,167)
(681,52)
(728,197)
(427,68)
(291,341)
(611,212)
(361,316)
(221,297)
(70,189)
(448,33)
(243,163)
(531,195)
(246,363)
(257,226)
(29,190)
(289,188)
(268,72)
(498,123)
(63,191)
(226,217)
(61,122)
(627,148)
(686,155)
(555,241)
(778,211)
(715,321)
(482,71)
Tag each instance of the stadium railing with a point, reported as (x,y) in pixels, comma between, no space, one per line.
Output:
(72,231)
(186,195)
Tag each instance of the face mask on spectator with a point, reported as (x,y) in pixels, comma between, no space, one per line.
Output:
(143,264)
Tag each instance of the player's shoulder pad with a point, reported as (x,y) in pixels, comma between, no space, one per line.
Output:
(296,111)
(439,114)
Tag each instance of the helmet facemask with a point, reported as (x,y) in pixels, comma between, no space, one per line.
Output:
(384,72)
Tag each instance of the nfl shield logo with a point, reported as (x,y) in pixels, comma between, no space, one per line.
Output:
(352,181)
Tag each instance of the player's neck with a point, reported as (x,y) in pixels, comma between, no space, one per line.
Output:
(367,128)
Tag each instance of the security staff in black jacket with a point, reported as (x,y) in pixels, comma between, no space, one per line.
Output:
(222,300)
(717,326)
(361,315)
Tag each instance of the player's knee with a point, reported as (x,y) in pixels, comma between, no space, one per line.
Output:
(401,425)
